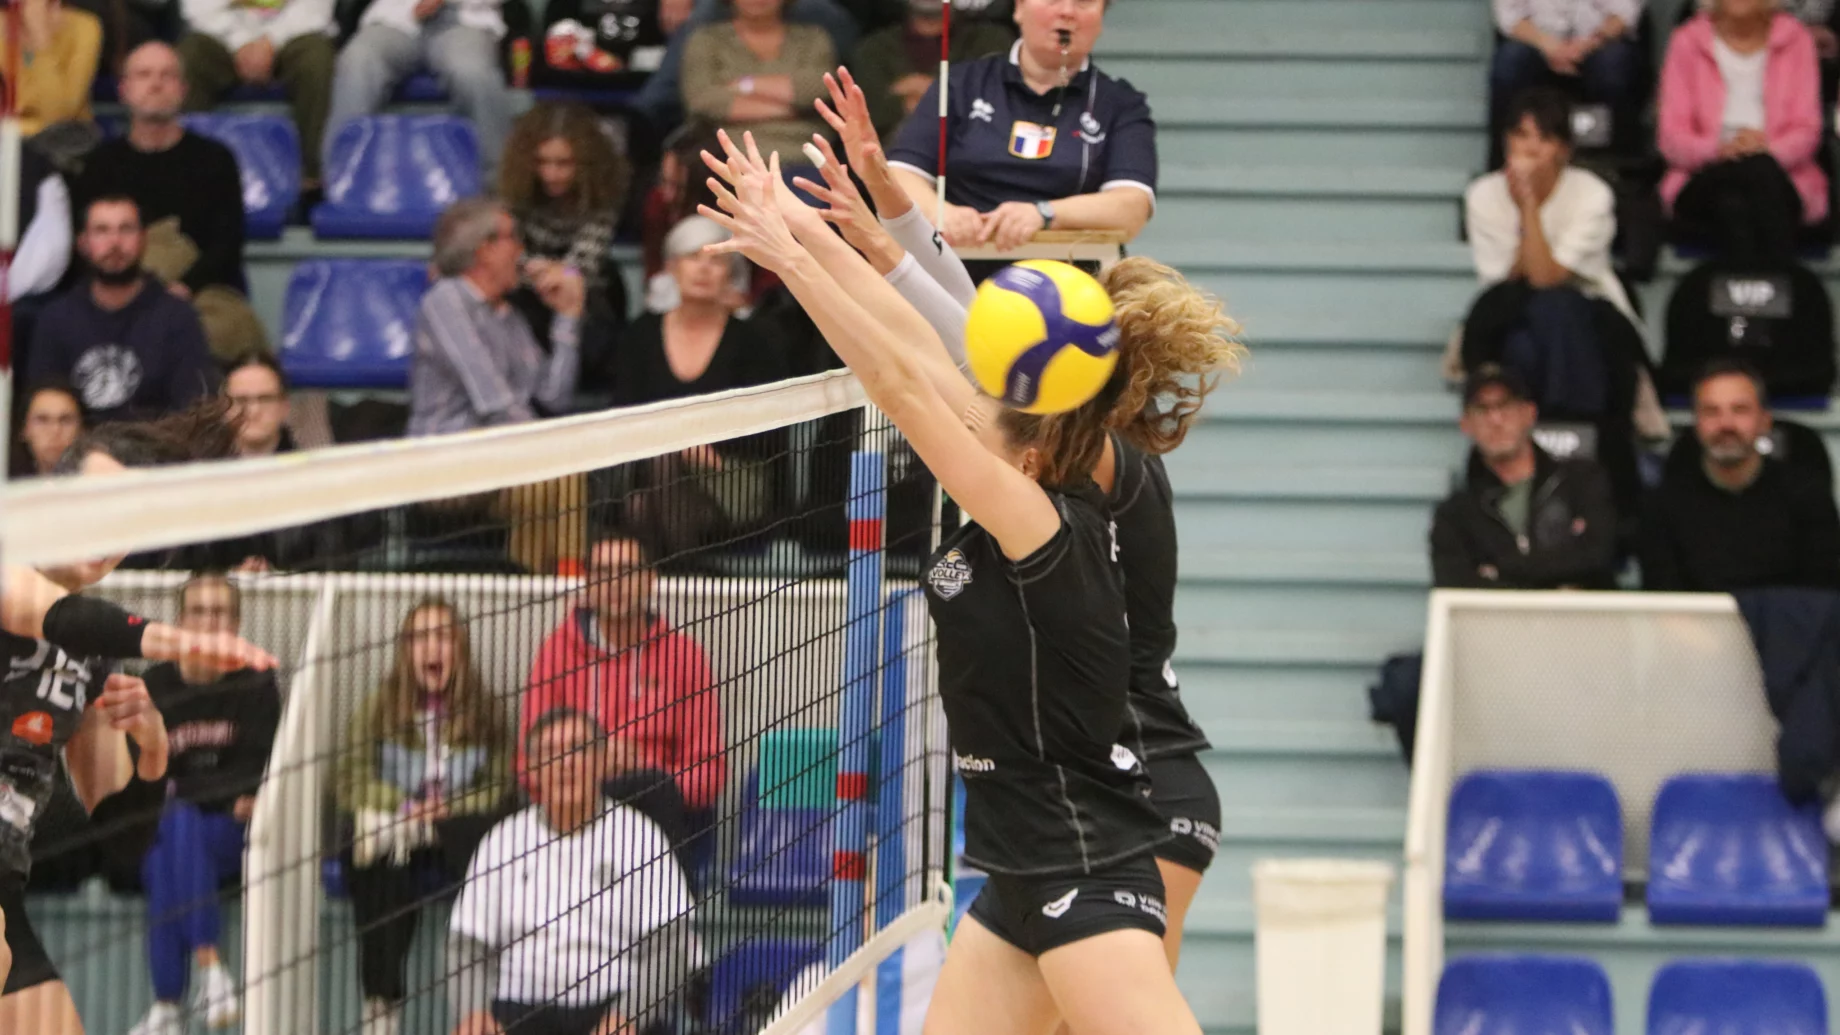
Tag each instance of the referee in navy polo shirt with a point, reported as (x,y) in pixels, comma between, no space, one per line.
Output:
(1036,138)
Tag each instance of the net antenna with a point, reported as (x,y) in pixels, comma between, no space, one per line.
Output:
(945,88)
(10,62)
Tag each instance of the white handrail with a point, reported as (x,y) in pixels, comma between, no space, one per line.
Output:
(284,847)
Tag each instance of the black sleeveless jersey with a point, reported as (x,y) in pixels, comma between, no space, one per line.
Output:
(42,699)
(1158,725)
(1034,671)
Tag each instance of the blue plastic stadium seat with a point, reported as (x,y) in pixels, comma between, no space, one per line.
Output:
(267,150)
(1522,995)
(1737,997)
(1730,849)
(1534,845)
(350,323)
(750,978)
(784,858)
(390,176)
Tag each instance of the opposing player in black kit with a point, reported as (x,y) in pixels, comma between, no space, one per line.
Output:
(1156,309)
(58,649)
(1033,653)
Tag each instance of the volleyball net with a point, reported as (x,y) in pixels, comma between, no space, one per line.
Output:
(623,722)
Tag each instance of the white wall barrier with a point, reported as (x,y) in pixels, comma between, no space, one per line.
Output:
(1635,686)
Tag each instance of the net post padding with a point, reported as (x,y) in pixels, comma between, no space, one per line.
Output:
(1635,687)
(59,520)
(856,716)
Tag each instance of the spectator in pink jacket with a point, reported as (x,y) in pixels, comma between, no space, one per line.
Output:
(1740,123)
(616,660)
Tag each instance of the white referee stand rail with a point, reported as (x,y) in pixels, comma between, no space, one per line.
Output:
(1637,687)
(1104,247)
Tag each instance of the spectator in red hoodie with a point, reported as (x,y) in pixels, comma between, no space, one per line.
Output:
(615,659)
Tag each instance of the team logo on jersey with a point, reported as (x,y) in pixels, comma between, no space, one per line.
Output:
(951,575)
(1090,129)
(1031,140)
(983,111)
(1123,758)
(33,728)
(972,764)
(1058,908)
(107,375)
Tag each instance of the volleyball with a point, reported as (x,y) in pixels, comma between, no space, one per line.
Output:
(1039,336)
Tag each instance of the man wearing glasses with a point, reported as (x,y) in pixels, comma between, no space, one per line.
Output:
(1523,519)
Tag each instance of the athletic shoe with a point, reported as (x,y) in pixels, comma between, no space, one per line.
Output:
(381,1017)
(163,1019)
(214,1000)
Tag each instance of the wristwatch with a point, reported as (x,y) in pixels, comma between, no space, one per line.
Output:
(746,86)
(1046,209)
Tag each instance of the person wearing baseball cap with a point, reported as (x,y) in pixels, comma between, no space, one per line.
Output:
(1523,519)
(896,65)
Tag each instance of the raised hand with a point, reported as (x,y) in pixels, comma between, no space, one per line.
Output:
(750,212)
(130,710)
(848,114)
(744,159)
(848,211)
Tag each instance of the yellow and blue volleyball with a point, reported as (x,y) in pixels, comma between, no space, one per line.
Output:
(1039,336)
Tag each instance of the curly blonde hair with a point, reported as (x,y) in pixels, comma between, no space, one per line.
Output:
(1174,342)
(602,175)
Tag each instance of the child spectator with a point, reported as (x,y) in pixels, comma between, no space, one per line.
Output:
(190,196)
(130,347)
(233,42)
(576,918)
(1740,125)
(59,47)
(758,73)
(617,660)
(49,424)
(421,774)
(456,39)
(221,730)
(566,186)
(1725,516)
(896,65)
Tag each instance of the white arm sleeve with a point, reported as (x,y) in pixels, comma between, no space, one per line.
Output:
(44,250)
(927,246)
(934,303)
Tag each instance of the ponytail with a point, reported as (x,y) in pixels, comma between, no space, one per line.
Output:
(1174,340)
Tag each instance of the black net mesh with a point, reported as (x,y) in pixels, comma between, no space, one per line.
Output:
(627,750)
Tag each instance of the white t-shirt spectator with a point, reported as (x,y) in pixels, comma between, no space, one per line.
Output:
(566,913)
(1579,219)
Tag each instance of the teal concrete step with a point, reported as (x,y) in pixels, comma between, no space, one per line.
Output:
(1450,112)
(1281,73)
(1195,475)
(1220,695)
(1347,568)
(1312,779)
(1248,835)
(1233,17)
(1126,42)
(1330,146)
(1250,177)
(1272,366)
(1302,527)
(1338,429)
(1251,218)
(1218,973)
(1399,609)
(1204,642)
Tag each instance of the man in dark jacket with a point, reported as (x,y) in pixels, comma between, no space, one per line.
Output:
(1523,519)
(1736,519)
(131,349)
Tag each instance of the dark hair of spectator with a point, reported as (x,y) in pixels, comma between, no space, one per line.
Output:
(687,146)
(476,719)
(19,460)
(1550,109)
(602,176)
(213,575)
(1173,340)
(557,717)
(623,534)
(728,8)
(203,431)
(110,199)
(259,358)
(1731,366)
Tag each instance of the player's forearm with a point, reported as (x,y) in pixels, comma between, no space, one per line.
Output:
(98,760)
(920,192)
